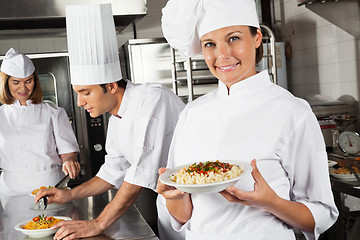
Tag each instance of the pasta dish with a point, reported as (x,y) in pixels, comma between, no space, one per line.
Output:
(344,170)
(37,190)
(41,222)
(209,172)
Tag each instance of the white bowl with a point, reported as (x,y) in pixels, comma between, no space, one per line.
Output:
(206,187)
(347,177)
(38,233)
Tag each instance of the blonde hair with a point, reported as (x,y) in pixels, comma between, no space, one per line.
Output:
(5,94)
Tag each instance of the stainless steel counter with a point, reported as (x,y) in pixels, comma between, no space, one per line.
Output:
(18,209)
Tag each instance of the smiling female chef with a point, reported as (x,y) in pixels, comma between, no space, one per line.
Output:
(37,142)
(247,117)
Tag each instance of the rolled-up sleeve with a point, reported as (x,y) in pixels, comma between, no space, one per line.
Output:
(113,170)
(305,160)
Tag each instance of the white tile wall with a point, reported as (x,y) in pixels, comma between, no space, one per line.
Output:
(325,57)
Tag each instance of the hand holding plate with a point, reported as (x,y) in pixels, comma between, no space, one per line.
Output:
(168,192)
(263,195)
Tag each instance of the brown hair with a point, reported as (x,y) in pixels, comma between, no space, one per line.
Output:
(5,94)
(260,49)
(121,83)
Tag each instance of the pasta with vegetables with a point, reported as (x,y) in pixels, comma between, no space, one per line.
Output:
(209,172)
(41,222)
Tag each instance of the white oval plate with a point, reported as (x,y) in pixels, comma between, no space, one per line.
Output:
(38,233)
(348,177)
(206,187)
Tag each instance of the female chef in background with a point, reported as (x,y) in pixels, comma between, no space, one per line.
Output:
(247,117)
(37,142)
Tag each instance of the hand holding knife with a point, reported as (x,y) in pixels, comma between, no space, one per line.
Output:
(43,202)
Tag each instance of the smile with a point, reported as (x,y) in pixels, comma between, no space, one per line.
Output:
(231,67)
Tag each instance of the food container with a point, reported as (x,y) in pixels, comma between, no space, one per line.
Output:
(345,120)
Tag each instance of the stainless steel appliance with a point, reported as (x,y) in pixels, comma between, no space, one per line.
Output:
(153,60)
(325,109)
(43,18)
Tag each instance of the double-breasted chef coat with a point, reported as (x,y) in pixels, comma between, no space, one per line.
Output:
(138,139)
(258,120)
(31,139)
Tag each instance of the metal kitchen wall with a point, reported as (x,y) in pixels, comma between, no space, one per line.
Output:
(149,60)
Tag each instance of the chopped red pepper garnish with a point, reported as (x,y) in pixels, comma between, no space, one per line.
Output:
(208,167)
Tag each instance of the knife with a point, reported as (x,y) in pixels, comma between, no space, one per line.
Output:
(63,182)
(353,172)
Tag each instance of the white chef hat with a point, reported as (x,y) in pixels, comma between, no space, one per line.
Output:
(92,45)
(16,64)
(184,22)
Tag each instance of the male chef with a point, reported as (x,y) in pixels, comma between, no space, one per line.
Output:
(140,128)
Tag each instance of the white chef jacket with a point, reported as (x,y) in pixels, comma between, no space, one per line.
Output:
(31,139)
(256,120)
(138,139)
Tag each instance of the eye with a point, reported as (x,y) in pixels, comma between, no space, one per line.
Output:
(234,38)
(28,81)
(208,44)
(15,82)
(86,93)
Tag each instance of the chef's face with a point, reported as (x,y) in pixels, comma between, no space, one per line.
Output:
(21,88)
(230,53)
(93,99)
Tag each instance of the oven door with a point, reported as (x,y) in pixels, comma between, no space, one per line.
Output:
(55,81)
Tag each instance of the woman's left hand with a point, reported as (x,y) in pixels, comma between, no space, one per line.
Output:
(263,195)
(70,164)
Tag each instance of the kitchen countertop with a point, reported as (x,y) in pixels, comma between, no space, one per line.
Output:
(14,210)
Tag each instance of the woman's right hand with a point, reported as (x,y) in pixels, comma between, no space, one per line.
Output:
(178,203)
(54,195)
(168,192)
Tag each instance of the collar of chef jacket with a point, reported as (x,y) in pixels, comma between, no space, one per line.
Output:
(17,103)
(246,86)
(125,100)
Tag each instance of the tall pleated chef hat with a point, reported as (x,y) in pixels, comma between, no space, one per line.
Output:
(92,45)
(184,22)
(16,64)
